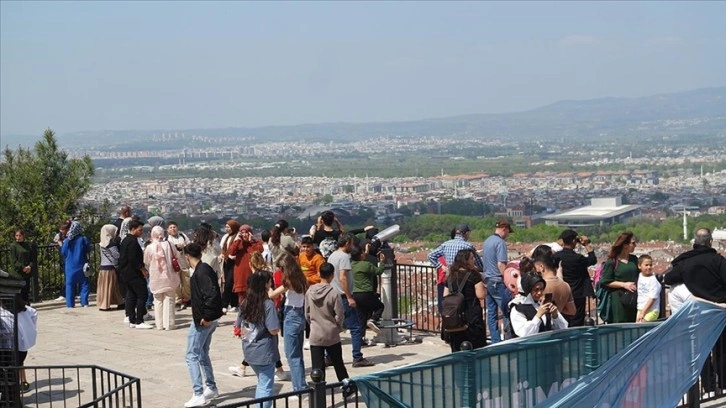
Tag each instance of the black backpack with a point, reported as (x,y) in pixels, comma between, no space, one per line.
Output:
(453,307)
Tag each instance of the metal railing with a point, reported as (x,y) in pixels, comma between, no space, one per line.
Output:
(415,286)
(48,282)
(319,394)
(68,386)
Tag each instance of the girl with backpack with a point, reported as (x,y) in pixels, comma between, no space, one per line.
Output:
(466,279)
(258,326)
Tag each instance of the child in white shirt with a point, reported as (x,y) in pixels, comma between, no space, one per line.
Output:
(648,291)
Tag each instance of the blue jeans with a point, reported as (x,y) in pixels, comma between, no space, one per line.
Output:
(198,341)
(497,299)
(294,328)
(265,381)
(352,323)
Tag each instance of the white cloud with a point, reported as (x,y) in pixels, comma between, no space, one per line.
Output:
(578,40)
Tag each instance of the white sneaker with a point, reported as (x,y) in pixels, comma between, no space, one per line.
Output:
(60,299)
(196,401)
(148,317)
(306,345)
(282,376)
(126,319)
(233,309)
(132,326)
(373,326)
(144,326)
(224,310)
(238,371)
(210,394)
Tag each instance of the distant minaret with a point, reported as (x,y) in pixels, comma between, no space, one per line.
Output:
(442,172)
(685,223)
(702,171)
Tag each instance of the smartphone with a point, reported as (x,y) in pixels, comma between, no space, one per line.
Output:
(548,298)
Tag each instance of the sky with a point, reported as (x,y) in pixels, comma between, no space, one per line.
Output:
(75,66)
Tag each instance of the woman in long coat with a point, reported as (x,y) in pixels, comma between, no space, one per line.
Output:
(242,247)
(107,291)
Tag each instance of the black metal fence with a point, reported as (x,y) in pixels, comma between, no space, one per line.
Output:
(70,386)
(319,395)
(48,280)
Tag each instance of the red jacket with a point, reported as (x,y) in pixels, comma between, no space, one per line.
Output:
(242,250)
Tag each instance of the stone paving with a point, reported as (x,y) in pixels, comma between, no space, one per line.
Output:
(90,336)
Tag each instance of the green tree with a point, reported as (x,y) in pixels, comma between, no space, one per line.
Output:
(40,187)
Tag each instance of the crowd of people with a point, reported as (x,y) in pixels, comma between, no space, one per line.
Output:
(304,294)
(307,290)
(552,285)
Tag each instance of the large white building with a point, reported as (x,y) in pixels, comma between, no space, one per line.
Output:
(601,211)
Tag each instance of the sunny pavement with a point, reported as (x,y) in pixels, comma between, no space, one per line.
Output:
(90,336)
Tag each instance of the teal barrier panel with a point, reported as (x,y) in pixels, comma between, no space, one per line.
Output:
(516,373)
(567,368)
(657,369)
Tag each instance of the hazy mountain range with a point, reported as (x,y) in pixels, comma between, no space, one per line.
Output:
(697,112)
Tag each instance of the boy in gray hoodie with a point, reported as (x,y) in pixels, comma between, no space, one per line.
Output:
(324,312)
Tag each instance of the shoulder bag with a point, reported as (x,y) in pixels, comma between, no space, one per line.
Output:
(174,262)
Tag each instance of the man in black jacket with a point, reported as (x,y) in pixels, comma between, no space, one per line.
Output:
(133,273)
(575,273)
(703,271)
(206,310)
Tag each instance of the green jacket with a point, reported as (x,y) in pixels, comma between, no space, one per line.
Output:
(365,275)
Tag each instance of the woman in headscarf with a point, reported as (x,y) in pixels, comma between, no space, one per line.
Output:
(75,250)
(107,292)
(229,299)
(163,279)
(536,313)
(243,245)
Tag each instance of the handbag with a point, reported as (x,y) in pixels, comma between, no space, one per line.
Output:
(174,262)
(87,270)
(628,298)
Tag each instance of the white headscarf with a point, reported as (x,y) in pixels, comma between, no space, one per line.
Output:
(108,233)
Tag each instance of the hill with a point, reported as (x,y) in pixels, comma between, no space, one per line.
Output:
(696,112)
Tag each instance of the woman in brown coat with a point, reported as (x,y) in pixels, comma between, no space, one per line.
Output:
(242,247)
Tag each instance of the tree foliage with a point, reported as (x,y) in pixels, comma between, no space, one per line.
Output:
(40,187)
(437,228)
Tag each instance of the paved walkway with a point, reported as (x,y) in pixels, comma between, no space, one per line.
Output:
(89,336)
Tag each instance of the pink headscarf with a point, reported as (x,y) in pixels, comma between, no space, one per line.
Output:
(157,237)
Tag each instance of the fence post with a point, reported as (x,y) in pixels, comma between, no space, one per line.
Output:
(469,384)
(694,396)
(318,385)
(394,288)
(389,290)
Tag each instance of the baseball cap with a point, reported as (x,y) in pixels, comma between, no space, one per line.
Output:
(504,224)
(463,228)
